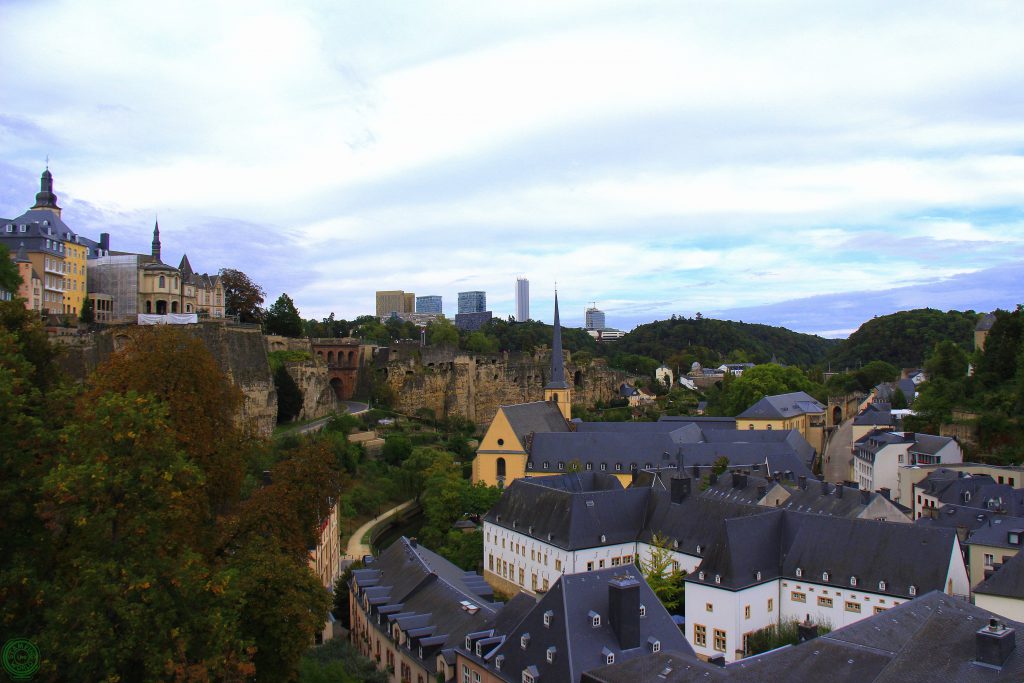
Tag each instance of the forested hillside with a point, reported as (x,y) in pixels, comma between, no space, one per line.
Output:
(715,341)
(905,339)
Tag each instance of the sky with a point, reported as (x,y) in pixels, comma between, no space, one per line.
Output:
(800,163)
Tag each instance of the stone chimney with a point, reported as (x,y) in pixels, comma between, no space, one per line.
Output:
(839,490)
(680,488)
(105,241)
(624,610)
(885,493)
(712,479)
(739,481)
(806,630)
(824,488)
(995,643)
(803,481)
(865,497)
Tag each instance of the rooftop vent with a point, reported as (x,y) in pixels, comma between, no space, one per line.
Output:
(995,643)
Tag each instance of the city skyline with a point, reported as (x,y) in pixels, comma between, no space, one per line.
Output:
(660,158)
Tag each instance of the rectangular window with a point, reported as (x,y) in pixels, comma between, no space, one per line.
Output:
(465,674)
(709,607)
(590,566)
(490,561)
(522,576)
(600,564)
(853,607)
(990,559)
(879,610)
(771,605)
(746,612)
(798,597)
(545,584)
(476,677)
(719,640)
(616,561)
(825,602)
(558,565)
(700,635)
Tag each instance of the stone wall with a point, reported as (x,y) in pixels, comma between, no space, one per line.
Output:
(238,349)
(450,382)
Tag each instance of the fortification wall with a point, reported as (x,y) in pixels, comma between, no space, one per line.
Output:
(475,385)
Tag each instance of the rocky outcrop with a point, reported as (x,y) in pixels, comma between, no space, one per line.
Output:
(238,349)
(473,386)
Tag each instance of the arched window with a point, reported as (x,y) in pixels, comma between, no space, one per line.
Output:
(174,307)
(501,467)
(163,282)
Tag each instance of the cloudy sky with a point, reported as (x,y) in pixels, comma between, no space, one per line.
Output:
(801,163)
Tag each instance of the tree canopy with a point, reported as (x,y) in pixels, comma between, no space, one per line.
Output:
(283,318)
(242,296)
(739,393)
(10,280)
(904,339)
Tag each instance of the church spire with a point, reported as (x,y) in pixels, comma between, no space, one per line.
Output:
(156,241)
(45,198)
(557,390)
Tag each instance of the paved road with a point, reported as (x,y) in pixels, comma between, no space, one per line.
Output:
(838,453)
(355,407)
(356,548)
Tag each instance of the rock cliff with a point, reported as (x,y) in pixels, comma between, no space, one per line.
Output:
(469,385)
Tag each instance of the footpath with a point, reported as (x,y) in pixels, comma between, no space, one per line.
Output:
(356,548)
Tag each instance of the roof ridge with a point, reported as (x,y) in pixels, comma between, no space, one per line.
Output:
(565,628)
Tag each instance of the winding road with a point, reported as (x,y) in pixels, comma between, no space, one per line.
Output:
(838,454)
(356,548)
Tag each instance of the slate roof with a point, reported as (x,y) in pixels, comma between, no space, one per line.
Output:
(1007,581)
(995,531)
(976,491)
(783,406)
(875,414)
(781,541)
(925,640)
(424,593)
(908,388)
(557,513)
(578,645)
(705,422)
(985,322)
(929,444)
(536,417)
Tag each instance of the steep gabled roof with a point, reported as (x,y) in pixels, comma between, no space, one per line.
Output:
(782,406)
(537,417)
(1007,581)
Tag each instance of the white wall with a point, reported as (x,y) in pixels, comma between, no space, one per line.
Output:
(1010,608)
(729,614)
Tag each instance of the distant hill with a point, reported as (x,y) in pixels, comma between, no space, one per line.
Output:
(724,338)
(905,339)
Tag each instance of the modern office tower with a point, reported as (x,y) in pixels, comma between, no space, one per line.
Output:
(428,304)
(522,299)
(472,302)
(594,318)
(395,301)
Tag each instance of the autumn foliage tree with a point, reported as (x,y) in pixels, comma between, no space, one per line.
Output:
(242,296)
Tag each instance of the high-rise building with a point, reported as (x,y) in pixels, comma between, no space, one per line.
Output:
(472,302)
(428,304)
(594,318)
(522,299)
(395,301)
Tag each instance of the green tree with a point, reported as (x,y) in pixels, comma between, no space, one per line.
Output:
(721,465)
(899,399)
(289,396)
(242,296)
(397,447)
(283,318)
(874,373)
(10,279)
(478,342)
(663,575)
(948,362)
(87,314)
(739,393)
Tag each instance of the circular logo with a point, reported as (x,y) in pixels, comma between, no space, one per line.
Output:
(20,658)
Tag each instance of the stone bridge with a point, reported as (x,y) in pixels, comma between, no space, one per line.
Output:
(842,408)
(343,357)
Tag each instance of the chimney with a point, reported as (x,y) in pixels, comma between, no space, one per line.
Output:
(712,479)
(105,241)
(994,643)
(806,630)
(739,481)
(865,497)
(413,542)
(839,490)
(803,481)
(824,488)
(632,477)
(762,491)
(624,610)
(885,493)
(680,488)
(696,472)
(717,660)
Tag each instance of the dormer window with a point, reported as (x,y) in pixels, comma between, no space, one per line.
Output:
(700,575)
(604,467)
(603,538)
(527,677)
(853,580)
(595,618)
(546,466)
(551,654)
(590,466)
(824,576)
(609,657)
(757,576)
(548,616)
(524,641)
(881,585)
(913,590)
(498,661)
(655,646)
(718,578)
(698,548)
(799,572)
(618,467)
(561,465)
(643,611)
(479,649)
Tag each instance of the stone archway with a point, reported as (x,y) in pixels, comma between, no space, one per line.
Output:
(837,416)
(338,387)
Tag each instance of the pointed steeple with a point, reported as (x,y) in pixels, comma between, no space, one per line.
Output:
(156,241)
(557,362)
(45,198)
(186,268)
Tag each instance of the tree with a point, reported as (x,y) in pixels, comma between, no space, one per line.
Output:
(663,575)
(87,314)
(720,466)
(397,447)
(283,318)
(10,278)
(289,396)
(899,399)
(242,296)
(478,342)
(739,393)
(948,361)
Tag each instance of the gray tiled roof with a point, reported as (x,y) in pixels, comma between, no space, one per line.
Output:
(1007,581)
(782,406)
(925,640)
(985,322)
(539,417)
(579,646)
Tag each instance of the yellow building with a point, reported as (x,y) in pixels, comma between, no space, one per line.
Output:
(31,289)
(797,410)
